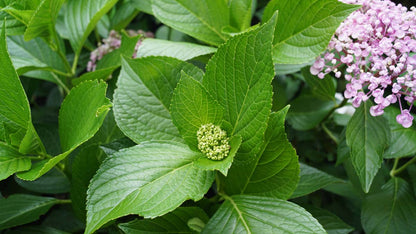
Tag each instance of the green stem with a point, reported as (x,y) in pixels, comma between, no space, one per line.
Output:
(395,171)
(218,182)
(59,50)
(75,63)
(65,201)
(61,73)
(330,134)
(59,81)
(35,157)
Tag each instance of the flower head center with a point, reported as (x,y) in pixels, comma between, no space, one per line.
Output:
(213,141)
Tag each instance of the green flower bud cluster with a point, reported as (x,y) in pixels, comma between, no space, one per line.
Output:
(213,142)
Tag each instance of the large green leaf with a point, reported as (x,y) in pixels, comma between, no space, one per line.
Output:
(20,209)
(34,55)
(191,107)
(307,111)
(142,99)
(402,142)
(393,210)
(253,214)
(11,161)
(174,222)
(42,23)
(202,19)
(38,229)
(143,5)
(239,77)
(240,13)
(81,16)
(150,179)
(180,50)
(331,223)
(277,171)
(84,167)
(367,137)
(79,120)
(14,107)
(312,179)
(53,182)
(304,28)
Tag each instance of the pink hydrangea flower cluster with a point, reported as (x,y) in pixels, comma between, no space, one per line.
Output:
(113,42)
(377,45)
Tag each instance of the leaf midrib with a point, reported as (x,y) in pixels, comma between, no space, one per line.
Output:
(240,213)
(393,205)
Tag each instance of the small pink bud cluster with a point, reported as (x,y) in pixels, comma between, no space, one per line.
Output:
(377,45)
(113,42)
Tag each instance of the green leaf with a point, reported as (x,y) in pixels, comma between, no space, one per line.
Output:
(11,161)
(239,77)
(253,214)
(20,209)
(312,179)
(21,13)
(402,142)
(42,23)
(240,13)
(150,179)
(53,182)
(124,15)
(142,99)
(144,5)
(180,50)
(307,111)
(34,55)
(78,122)
(38,229)
(14,106)
(191,107)
(331,223)
(393,210)
(321,88)
(79,119)
(367,137)
(81,16)
(13,26)
(304,28)
(222,165)
(276,173)
(174,222)
(202,19)
(84,167)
